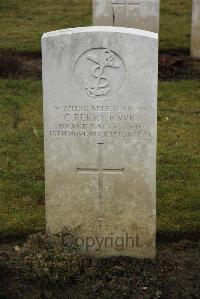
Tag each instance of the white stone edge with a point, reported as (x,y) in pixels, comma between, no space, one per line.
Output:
(133,31)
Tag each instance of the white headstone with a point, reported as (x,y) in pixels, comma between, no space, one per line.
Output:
(140,14)
(100,103)
(102,13)
(195,39)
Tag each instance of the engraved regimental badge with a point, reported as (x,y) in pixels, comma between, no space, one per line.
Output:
(99,73)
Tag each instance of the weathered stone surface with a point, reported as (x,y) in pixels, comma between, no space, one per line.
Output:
(100,103)
(140,14)
(195,39)
(102,13)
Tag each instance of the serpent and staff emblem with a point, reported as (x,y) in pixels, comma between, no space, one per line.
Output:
(99,73)
(100,86)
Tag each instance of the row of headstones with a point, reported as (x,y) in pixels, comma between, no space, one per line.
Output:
(100,119)
(141,14)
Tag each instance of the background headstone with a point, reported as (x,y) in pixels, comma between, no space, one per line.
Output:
(100,103)
(195,39)
(140,14)
(102,13)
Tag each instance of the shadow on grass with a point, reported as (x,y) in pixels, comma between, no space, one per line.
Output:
(173,65)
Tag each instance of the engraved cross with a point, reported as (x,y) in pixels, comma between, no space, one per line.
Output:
(126,2)
(100,170)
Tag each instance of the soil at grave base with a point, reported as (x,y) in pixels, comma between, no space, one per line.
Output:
(20,65)
(174,274)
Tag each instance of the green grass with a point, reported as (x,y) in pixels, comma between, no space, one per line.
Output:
(22,22)
(178,183)
(175,25)
(21,165)
(21,150)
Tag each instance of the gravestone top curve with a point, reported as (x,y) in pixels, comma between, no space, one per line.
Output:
(111,29)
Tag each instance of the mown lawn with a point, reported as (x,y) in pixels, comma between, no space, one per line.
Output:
(175,25)
(22,22)
(21,163)
(178,167)
(22,171)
